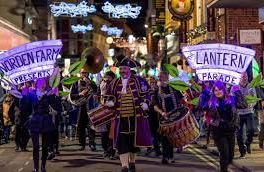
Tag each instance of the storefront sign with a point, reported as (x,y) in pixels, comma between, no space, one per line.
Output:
(219,61)
(181,9)
(121,11)
(30,61)
(252,36)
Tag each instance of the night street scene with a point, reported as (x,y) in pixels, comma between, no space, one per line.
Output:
(132,86)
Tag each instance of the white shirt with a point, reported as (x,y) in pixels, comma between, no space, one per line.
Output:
(124,84)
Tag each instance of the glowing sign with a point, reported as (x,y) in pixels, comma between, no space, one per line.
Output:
(219,61)
(81,28)
(30,61)
(72,10)
(121,11)
(112,30)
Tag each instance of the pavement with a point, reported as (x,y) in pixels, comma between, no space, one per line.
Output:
(192,159)
(253,162)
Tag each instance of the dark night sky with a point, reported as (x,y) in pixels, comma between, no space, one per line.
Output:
(137,25)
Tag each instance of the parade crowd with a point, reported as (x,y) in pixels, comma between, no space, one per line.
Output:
(139,105)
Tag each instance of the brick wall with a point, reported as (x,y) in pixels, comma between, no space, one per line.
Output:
(242,19)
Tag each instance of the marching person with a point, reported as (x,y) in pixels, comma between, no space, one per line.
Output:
(166,100)
(246,116)
(84,90)
(26,108)
(224,122)
(260,111)
(54,148)
(153,118)
(107,145)
(132,129)
(41,122)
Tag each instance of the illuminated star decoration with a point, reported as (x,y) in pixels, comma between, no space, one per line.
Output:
(112,30)
(72,10)
(121,11)
(81,28)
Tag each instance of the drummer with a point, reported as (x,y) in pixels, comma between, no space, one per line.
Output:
(107,145)
(166,100)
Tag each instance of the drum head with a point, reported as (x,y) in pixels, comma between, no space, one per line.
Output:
(175,115)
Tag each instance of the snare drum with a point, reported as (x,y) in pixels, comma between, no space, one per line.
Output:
(181,128)
(101,115)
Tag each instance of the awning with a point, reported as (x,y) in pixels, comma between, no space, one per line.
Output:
(236,4)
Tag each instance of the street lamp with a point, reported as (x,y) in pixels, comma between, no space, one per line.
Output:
(109,40)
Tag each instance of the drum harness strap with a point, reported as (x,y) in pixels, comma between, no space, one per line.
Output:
(164,95)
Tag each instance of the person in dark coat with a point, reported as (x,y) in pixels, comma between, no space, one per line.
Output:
(56,103)
(154,118)
(84,89)
(224,122)
(22,110)
(165,101)
(41,122)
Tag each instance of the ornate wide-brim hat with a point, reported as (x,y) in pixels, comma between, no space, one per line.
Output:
(126,61)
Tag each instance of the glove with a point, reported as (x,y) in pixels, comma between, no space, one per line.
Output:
(144,106)
(109,103)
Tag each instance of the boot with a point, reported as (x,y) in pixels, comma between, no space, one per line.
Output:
(82,148)
(132,167)
(36,165)
(248,149)
(124,169)
(43,166)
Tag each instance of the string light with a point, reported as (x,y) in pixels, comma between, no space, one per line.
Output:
(121,11)
(112,30)
(72,10)
(196,32)
(81,28)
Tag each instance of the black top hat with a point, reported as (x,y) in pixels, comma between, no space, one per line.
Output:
(125,61)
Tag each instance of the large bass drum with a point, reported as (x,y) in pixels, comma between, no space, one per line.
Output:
(181,128)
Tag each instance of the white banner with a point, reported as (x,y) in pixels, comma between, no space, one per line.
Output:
(219,61)
(30,61)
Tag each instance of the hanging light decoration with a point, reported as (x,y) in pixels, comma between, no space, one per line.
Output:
(81,28)
(121,11)
(112,30)
(72,10)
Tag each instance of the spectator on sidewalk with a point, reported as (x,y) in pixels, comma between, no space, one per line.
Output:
(8,99)
(246,116)
(223,123)
(260,112)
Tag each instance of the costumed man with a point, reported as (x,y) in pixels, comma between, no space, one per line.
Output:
(166,100)
(82,93)
(132,97)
